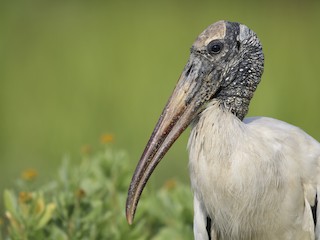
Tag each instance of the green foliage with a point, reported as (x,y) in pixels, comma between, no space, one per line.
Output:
(88,202)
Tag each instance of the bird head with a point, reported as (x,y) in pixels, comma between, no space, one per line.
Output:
(226,63)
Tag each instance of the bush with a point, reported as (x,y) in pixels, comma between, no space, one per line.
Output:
(88,202)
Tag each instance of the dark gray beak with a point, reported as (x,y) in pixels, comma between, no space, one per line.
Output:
(185,102)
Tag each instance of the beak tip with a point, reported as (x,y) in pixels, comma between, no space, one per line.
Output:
(129,218)
(129,214)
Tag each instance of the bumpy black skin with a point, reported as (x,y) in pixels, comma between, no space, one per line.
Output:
(236,71)
(245,77)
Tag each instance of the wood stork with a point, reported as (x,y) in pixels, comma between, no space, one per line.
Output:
(254,178)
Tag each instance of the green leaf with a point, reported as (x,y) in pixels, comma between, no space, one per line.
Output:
(48,212)
(10,202)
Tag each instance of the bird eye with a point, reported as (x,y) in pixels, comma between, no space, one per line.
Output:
(215,47)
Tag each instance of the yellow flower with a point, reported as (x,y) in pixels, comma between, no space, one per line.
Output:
(80,193)
(86,149)
(29,174)
(170,184)
(25,197)
(106,138)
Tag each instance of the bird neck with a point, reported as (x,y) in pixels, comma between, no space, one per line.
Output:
(240,82)
(237,105)
(236,92)
(214,132)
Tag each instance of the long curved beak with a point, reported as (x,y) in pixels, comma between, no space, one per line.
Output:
(180,110)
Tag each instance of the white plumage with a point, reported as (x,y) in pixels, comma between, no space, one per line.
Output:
(259,174)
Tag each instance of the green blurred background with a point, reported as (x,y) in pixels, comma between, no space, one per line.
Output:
(71,71)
